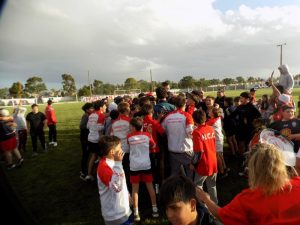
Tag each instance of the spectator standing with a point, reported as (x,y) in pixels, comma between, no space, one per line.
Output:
(286,80)
(8,141)
(205,158)
(20,120)
(273,196)
(88,109)
(154,128)
(140,144)
(179,127)
(215,121)
(51,122)
(36,122)
(95,125)
(220,98)
(113,192)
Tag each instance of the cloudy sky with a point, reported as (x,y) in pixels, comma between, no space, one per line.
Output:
(117,39)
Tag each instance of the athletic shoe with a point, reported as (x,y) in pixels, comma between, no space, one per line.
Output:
(51,143)
(155,213)
(11,166)
(82,177)
(89,178)
(20,162)
(54,144)
(137,218)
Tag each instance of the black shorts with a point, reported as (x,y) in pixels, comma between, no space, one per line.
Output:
(93,148)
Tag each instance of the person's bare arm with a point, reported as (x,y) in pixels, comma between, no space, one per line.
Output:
(204,197)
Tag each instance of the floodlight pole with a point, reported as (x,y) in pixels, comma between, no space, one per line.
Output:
(90,83)
(151,81)
(281,52)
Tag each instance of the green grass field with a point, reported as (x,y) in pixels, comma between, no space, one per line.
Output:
(49,185)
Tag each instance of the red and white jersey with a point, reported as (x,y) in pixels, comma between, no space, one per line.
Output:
(114,195)
(153,127)
(216,123)
(95,125)
(121,128)
(205,142)
(140,144)
(179,127)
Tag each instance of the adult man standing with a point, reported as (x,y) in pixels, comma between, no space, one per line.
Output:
(51,122)
(36,121)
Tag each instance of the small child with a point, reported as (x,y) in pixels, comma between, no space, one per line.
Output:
(179,201)
(205,159)
(215,121)
(154,128)
(114,195)
(8,140)
(140,166)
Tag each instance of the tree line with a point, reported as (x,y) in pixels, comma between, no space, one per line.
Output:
(35,86)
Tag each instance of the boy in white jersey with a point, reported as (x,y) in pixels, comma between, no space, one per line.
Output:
(114,195)
(140,165)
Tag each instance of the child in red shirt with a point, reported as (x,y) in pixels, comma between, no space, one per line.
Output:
(204,161)
(154,128)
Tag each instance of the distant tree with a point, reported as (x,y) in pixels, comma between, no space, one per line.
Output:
(68,83)
(297,77)
(214,82)
(34,85)
(240,80)
(144,85)
(187,82)
(55,92)
(97,87)
(108,88)
(202,82)
(130,83)
(16,90)
(228,81)
(251,79)
(84,91)
(4,93)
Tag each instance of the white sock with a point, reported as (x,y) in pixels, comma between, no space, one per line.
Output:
(154,208)
(136,211)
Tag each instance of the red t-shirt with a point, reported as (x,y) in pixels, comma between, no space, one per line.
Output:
(153,127)
(204,141)
(254,207)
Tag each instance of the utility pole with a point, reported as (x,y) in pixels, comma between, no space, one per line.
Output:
(90,83)
(151,81)
(281,52)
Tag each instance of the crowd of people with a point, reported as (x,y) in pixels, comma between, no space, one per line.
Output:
(14,130)
(174,145)
(164,139)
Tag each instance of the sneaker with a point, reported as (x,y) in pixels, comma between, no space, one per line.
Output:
(20,162)
(96,161)
(155,213)
(51,143)
(54,144)
(82,177)
(11,166)
(89,178)
(137,218)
